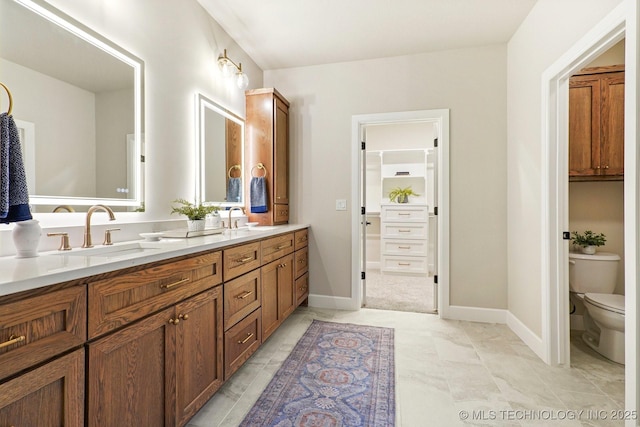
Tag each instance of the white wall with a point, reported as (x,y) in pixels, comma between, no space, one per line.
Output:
(471,83)
(530,52)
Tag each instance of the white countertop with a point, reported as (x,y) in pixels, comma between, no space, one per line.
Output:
(22,274)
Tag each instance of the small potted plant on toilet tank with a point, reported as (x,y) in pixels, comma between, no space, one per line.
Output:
(588,241)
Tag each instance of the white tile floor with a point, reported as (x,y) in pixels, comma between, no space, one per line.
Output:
(444,368)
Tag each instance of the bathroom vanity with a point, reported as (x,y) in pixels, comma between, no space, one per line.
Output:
(142,336)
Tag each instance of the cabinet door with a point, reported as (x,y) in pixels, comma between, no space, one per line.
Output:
(51,395)
(129,375)
(199,353)
(584,125)
(270,314)
(286,291)
(281,153)
(612,122)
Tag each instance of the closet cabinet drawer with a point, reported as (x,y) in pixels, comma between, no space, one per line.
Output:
(404,264)
(241,297)
(277,247)
(404,231)
(240,260)
(302,288)
(241,341)
(404,247)
(122,299)
(301,239)
(281,214)
(38,328)
(404,213)
(301,262)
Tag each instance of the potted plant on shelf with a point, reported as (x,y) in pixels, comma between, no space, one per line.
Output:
(401,195)
(588,241)
(196,214)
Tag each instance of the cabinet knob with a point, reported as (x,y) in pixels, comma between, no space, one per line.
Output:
(606,167)
(174,321)
(183,316)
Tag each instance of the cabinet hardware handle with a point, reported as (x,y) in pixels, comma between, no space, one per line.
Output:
(404,214)
(246,339)
(283,265)
(404,231)
(183,316)
(174,321)
(404,247)
(597,167)
(171,285)
(243,260)
(404,263)
(12,340)
(245,295)
(281,247)
(302,261)
(606,167)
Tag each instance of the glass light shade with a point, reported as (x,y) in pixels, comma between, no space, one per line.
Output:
(242,80)
(228,69)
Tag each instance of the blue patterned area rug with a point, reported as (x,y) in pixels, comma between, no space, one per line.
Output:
(338,374)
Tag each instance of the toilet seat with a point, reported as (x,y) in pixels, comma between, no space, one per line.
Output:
(609,302)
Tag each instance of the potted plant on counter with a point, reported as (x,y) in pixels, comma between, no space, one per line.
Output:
(401,195)
(196,214)
(588,241)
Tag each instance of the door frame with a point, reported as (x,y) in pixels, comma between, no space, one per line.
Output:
(441,117)
(620,23)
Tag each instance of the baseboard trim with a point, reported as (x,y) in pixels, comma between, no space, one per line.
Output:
(338,303)
(475,314)
(533,341)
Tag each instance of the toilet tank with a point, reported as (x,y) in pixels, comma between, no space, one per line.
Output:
(593,273)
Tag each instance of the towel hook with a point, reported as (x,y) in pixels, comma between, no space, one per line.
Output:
(235,167)
(10,98)
(259,166)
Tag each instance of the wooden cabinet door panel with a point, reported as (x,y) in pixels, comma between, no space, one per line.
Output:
(302,288)
(286,292)
(270,314)
(584,126)
(612,144)
(39,328)
(49,396)
(199,352)
(129,376)
(281,153)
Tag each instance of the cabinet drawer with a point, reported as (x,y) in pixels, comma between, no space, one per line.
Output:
(241,297)
(404,264)
(277,247)
(302,288)
(301,238)
(38,328)
(404,231)
(241,341)
(119,300)
(301,262)
(281,214)
(404,247)
(240,260)
(405,213)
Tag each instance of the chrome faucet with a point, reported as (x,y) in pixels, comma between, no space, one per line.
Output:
(87,228)
(231,210)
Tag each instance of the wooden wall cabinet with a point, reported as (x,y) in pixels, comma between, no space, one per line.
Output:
(267,143)
(596,124)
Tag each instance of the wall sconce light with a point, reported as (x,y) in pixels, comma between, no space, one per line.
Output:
(231,69)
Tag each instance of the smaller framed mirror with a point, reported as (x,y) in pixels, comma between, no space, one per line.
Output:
(219,154)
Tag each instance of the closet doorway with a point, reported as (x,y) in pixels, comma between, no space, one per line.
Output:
(400,243)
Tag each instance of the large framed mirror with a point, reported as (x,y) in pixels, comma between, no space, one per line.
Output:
(219,154)
(77,102)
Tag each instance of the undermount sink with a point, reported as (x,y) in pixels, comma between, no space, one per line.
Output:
(115,251)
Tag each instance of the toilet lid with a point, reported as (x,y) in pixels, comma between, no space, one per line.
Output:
(610,302)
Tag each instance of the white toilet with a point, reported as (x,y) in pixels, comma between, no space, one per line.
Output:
(593,278)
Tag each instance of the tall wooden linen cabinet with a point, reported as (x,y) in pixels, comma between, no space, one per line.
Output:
(267,152)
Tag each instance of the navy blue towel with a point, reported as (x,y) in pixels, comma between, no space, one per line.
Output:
(258,194)
(14,195)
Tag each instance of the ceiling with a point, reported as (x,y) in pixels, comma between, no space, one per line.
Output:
(294,33)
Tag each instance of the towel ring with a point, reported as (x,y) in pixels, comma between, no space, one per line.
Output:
(235,167)
(10,98)
(259,166)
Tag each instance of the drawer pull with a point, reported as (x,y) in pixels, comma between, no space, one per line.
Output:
(283,265)
(171,285)
(404,214)
(183,316)
(404,231)
(404,263)
(302,261)
(243,260)
(249,335)
(174,321)
(404,247)
(245,295)
(282,247)
(12,340)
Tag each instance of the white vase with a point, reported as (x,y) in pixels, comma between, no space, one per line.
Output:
(589,250)
(196,224)
(213,220)
(26,238)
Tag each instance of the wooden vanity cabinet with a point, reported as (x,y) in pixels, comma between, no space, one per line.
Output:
(596,124)
(278,296)
(267,142)
(301,284)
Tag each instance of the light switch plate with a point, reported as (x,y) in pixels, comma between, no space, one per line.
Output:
(341,204)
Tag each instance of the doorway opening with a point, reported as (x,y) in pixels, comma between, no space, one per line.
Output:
(401,251)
